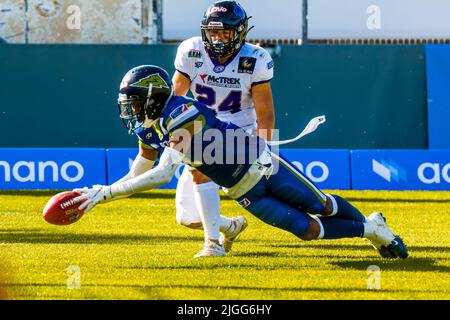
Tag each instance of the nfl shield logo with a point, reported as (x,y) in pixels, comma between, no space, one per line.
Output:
(244,203)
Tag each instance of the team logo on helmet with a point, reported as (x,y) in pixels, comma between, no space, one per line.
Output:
(219,9)
(154,79)
(123,85)
(216,24)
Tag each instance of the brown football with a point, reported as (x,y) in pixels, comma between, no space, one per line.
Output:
(61,209)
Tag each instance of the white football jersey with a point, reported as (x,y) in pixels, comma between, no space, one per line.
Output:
(226,88)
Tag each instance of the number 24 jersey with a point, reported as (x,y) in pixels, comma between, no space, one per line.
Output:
(226,88)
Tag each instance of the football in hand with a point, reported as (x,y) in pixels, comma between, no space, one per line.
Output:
(62,210)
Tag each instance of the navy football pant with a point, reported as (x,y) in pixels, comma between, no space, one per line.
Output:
(284,199)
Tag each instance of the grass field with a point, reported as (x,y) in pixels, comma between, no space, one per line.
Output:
(134,249)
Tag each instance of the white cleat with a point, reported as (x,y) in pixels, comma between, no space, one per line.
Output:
(384,240)
(379,221)
(383,236)
(227,238)
(211,249)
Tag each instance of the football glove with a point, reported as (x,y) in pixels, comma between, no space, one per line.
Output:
(95,195)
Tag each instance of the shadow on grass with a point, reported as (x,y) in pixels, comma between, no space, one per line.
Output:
(376,200)
(221,265)
(409,264)
(149,288)
(363,246)
(34,236)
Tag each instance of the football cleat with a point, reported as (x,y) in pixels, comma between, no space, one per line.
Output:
(398,248)
(226,238)
(211,249)
(382,235)
(384,240)
(383,250)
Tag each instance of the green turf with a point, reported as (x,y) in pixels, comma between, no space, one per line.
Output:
(134,249)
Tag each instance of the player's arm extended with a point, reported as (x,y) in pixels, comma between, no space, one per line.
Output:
(169,161)
(159,175)
(143,162)
(265,114)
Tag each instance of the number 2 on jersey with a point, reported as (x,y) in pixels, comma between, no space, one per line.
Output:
(231,103)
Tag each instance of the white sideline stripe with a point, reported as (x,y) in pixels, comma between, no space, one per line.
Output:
(306,181)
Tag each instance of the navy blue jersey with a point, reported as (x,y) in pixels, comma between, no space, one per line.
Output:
(220,150)
(151,138)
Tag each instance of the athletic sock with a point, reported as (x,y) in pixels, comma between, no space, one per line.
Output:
(345,210)
(207,201)
(226,224)
(334,228)
(369,230)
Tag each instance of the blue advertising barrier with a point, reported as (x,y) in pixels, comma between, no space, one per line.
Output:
(327,168)
(22,169)
(37,168)
(400,169)
(438,91)
(119,162)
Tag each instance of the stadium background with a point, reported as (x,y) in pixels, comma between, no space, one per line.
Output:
(378,70)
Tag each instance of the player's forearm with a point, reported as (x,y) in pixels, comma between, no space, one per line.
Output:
(139,166)
(159,175)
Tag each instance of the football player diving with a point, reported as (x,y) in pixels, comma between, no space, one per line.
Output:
(262,181)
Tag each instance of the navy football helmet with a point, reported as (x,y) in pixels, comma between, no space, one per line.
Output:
(225,15)
(143,94)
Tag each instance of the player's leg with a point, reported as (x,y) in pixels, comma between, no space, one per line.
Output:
(299,190)
(207,201)
(339,218)
(273,211)
(191,198)
(282,215)
(187,213)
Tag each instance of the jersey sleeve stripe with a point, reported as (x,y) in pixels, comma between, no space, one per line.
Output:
(185,116)
(260,82)
(184,74)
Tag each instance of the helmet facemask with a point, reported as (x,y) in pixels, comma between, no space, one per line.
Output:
(144,93)
(134,111)
(225,15)
(220,48)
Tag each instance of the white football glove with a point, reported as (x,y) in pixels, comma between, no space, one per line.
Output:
(97,194)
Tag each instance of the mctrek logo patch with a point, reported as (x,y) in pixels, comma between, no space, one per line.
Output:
(220,81)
